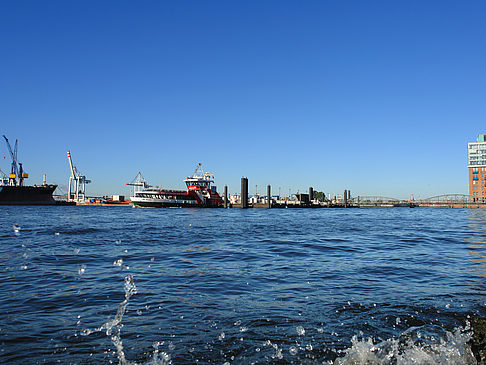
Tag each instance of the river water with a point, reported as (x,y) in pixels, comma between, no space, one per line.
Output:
(183,286)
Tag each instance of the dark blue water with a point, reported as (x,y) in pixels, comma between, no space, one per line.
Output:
(117,284)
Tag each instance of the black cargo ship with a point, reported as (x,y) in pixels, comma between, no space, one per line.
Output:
(12,188)
(27,195)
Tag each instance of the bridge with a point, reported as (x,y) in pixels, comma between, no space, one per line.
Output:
(444,200)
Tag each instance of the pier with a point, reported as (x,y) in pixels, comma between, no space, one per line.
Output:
(301,200)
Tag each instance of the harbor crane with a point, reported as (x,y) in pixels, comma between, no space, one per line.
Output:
(77,183)
(16,170)
(139,183)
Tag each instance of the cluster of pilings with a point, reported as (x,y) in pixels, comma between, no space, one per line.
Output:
(308,202)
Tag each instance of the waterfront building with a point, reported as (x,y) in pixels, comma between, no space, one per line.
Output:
(476,162)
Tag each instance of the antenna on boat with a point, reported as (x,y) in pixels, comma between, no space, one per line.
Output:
(198,167)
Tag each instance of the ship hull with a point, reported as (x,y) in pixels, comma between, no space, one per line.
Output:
(27,195)
(166,204)
(160,199)
(163,203)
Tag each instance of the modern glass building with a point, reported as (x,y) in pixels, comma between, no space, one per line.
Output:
(476,162)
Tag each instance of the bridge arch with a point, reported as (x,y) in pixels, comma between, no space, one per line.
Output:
(454,198)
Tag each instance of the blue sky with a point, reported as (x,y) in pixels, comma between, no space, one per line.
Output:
(379,97)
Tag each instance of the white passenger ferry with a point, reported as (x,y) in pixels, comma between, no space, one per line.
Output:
(199,193)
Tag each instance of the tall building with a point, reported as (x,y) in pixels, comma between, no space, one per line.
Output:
(476,162)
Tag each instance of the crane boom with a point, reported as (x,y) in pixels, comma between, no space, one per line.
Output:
(13,156)
(77,183)
(73,172)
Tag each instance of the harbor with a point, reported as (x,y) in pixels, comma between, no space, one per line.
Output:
(202,193)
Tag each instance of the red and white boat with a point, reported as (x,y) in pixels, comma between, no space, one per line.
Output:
(200,193)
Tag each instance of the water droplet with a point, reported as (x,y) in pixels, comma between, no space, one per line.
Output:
(244,329)
(118,262)
(222,336)
(320,330)
(237,323)
(81,269)
(300,330)
(76,251)
(23,267)
(56,234)
(257,349)
(171,346)
(16,228)
(308,347)
(293,350)
(139,312)
(152,258)
(397,321)
(448,305)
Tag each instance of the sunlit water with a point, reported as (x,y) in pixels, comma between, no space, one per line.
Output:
(124,285)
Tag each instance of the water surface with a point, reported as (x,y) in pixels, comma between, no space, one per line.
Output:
(117,284)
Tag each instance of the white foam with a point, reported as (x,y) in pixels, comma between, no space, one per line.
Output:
(418,345)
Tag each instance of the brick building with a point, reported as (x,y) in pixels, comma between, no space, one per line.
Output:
(476,162)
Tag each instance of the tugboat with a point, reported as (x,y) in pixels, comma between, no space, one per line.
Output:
(200,193)
(14,192)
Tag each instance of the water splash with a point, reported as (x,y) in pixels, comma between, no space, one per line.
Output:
(16,229)
(300,330)
(278,351)
(428,344)
(114,326)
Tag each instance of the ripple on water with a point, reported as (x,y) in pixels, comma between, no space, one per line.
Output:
(282,285)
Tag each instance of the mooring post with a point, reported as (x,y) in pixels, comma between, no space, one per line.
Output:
(269,196)
(244,192)
(311,195)
(345,198)
(226,196)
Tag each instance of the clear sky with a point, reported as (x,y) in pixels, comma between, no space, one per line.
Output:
(379,97)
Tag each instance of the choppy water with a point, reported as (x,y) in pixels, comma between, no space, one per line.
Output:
(117,284)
